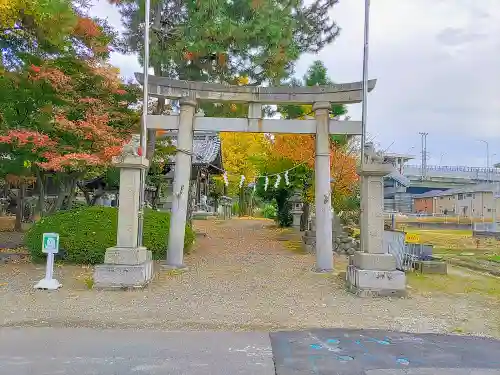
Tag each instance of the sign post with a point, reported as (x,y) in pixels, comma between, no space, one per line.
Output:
(50,246)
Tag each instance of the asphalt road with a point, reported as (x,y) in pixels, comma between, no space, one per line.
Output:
(44,351)
(81,351)
(380,352)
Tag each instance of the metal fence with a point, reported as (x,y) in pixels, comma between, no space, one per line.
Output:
(406,254)
(486,227)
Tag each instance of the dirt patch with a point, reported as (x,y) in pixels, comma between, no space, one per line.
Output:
(11,240)
(7,223)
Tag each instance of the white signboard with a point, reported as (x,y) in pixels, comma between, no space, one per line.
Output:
(50,246)
(50,243)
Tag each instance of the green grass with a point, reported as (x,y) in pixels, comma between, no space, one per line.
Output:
(455,284)
(494,258)
(438,219)
(449,241)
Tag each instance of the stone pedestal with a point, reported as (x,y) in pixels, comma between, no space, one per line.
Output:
(431,266)
(165,203)
(296,215)
(372,272)
(126,265)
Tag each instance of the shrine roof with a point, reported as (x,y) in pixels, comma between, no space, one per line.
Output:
(206,149)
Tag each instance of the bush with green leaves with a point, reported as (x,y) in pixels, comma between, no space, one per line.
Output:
(269,211)
(85,233)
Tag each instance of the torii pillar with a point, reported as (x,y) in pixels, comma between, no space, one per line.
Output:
(323,201)
(182,175)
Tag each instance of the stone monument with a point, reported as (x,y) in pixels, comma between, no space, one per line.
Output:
(127,265)
(372,271)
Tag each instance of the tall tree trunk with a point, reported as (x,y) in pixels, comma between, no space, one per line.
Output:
(191,200)
(72,191)
(241,202)
(156,196)
(85,192)
(40,177)
(18,226)
(65,184)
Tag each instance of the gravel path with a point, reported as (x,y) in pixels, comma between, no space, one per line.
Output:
(241,278)
(11,240)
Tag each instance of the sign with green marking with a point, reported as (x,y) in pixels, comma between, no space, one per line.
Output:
(50,243)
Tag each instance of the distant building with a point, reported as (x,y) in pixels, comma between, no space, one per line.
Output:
(396,197)
(206,162)
(408,181)
(478,201)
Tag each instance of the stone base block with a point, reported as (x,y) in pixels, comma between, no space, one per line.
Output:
(308,240)
(311,249)
(120,276)
(170,267)
(431,266)
(371,283)
(374,262)
(127,255)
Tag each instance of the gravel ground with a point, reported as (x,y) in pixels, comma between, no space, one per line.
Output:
(11,240)
(241,277)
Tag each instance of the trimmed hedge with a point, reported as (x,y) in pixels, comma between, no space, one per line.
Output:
(85,234)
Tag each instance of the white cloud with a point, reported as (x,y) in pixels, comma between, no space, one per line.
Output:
(436,62)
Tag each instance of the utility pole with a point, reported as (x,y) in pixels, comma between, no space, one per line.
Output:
(424,155)
(144,127)
(364,103)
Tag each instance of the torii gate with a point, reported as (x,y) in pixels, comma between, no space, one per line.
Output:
(189,93)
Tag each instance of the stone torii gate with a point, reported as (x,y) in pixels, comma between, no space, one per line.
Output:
(189,93)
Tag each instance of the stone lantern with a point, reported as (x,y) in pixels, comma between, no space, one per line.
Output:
(297,209)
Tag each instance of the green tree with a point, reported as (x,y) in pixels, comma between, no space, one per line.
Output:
(219,40)
(317,75)
(46,28)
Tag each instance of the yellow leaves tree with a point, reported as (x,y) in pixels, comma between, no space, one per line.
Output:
(240,154)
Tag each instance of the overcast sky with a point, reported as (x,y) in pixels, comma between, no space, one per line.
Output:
(437,63)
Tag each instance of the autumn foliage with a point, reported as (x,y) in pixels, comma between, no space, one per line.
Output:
(54,26)
(241,153)
(86,117)
(300,148)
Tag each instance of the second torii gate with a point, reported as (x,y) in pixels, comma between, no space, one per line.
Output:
(189,93)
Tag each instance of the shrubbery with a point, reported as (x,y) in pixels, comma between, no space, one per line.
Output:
(86,233)
(269,211)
